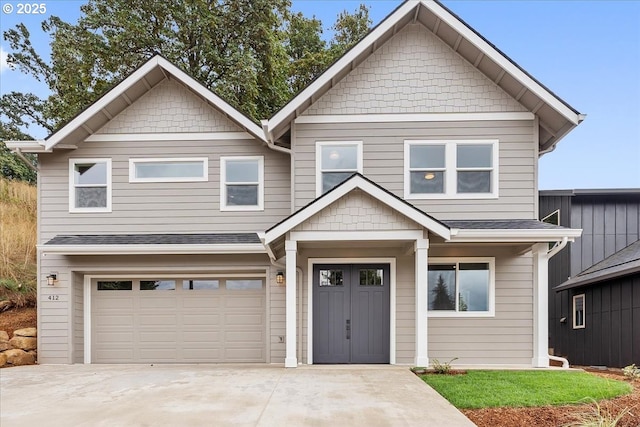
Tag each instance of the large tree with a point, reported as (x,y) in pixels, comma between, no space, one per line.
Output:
(253,53)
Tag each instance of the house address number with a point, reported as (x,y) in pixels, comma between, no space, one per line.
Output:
(53,297)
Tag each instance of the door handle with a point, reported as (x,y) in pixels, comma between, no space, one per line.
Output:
(348,328)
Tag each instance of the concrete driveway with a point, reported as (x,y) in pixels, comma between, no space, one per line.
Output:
(183,395)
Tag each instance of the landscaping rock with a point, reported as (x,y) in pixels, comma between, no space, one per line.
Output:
(26,332)
(24,343)
(4,345)
(3,359)
(17,357)
(5,305)
(4,336)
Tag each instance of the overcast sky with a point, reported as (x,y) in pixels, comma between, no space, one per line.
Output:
(586,52)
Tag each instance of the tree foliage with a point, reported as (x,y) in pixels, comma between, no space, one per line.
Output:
(442,299)
(253,53)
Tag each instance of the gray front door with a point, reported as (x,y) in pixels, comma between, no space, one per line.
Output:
(351,313)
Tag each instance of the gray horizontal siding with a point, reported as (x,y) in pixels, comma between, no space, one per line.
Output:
(161,207)
(383,152)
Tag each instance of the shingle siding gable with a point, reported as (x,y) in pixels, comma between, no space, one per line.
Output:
(414,72)
(169,107)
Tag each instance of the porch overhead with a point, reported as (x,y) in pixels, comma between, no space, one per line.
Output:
(556,117)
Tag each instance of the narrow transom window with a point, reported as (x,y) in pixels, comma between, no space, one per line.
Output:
(335,162)
(168,170)
(242,183)
(90,185)
(578,311)
(461,287)
(451,169)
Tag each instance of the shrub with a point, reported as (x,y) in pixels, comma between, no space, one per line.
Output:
(443,368)
(600,416)
(632,372)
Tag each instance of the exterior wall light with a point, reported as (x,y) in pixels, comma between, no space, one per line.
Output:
(52,279)
(280,278)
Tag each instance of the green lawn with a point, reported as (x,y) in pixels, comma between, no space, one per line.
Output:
(488,389)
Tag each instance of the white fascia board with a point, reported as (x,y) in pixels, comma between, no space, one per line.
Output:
(101,103)
(512,236)
(503,62)
(341,64)
(344,188)
(256,248)
(196,136)
(378,235)
(413,117)
(27,146)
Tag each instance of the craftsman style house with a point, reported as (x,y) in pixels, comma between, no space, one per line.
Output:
(386,214)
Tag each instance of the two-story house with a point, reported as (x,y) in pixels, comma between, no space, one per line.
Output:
(386,214)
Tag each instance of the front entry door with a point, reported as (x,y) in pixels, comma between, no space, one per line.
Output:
(351,313)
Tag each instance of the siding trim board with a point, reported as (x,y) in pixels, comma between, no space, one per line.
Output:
(402,118)
(256,248)
(183,136)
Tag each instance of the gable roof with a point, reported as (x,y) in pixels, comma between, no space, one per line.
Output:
(556,117)
(139,82)
(624,262)
(369,187)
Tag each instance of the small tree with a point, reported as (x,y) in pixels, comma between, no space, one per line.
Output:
(442,300)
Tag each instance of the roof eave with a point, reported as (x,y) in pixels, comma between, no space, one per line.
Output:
(164,249)
(513,236)
(577,281)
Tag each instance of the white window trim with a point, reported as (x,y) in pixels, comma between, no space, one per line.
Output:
(584,311)
(134,179)
(72,186)
(450,169)
(557,211)
(319,170)
(223,184)
(492,287)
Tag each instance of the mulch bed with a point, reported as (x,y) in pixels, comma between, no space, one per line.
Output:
(18,318)
(554,416)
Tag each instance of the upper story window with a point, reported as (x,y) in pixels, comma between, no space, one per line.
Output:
(451,169)
(335,162)
(89,185)
(242,183)
(461,287)
(168,170)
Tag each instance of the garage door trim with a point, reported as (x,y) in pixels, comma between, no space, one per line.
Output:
(239,272)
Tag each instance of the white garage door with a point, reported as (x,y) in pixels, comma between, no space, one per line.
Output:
(178,320)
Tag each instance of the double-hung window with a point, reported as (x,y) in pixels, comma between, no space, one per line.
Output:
(461,287)
(242,183)
(451,169)
(168,170)
(335,162)
(89,185)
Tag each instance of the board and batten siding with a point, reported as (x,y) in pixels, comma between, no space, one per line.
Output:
(62,324)
(383,162)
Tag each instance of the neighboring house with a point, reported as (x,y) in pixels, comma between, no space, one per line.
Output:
(386,214)
(594,296)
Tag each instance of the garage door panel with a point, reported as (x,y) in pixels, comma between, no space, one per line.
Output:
(124,302)
(152,319)
(156,303)
(255,301)
(113,320)
(179,326)
(242,319)
(196,319)
(201,337)
(204,301)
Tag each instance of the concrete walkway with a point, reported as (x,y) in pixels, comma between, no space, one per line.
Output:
(199,395)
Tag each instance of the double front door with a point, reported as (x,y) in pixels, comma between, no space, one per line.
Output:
(351,313)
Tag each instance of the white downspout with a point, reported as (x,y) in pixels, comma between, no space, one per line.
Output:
(553,251)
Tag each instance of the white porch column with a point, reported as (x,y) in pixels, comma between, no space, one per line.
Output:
(291,360)
(422,246)
(540,305)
